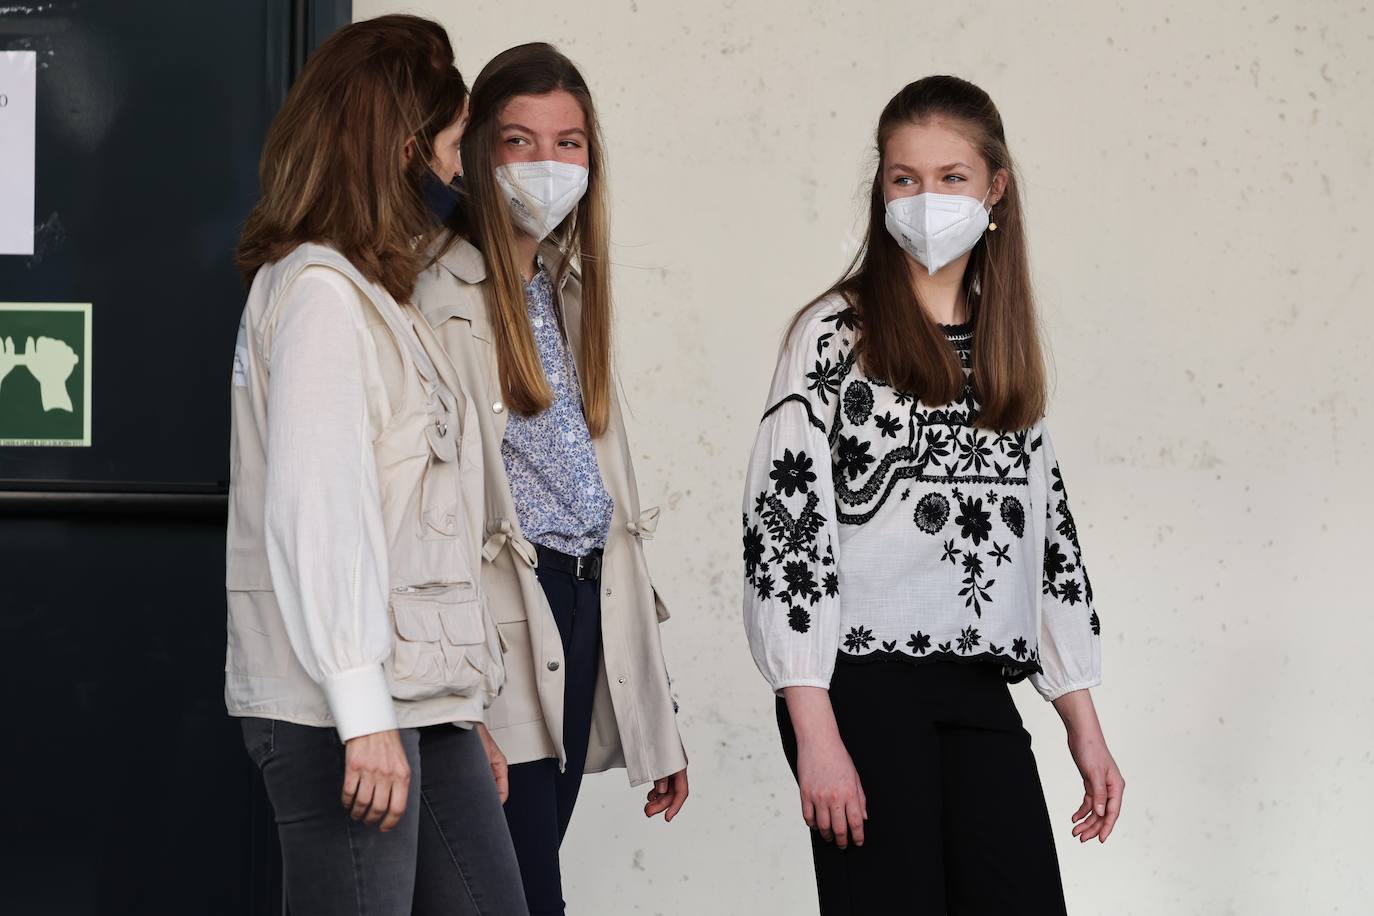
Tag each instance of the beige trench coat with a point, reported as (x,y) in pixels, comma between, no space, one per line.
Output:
(634,721)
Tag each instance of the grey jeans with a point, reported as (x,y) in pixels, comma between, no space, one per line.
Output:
(450,854)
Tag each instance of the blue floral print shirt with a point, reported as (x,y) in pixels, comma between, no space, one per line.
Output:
(549,457)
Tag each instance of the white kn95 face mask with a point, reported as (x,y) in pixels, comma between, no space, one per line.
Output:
(541,194)
(936,229)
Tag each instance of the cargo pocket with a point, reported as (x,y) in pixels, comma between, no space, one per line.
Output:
(440,499)
(256,644)
(441,643)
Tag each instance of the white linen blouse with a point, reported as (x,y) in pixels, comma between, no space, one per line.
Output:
(922,538)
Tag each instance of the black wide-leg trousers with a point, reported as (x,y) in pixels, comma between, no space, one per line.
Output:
(957,818)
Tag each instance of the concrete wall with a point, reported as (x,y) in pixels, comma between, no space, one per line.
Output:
(1198,180)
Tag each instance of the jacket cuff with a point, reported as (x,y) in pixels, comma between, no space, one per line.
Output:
(360,700)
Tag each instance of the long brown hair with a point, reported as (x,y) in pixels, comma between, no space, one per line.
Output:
(899,342)
(331,168)
(538,69)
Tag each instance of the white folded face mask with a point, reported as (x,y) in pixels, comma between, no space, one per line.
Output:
(541,194)
(936,229)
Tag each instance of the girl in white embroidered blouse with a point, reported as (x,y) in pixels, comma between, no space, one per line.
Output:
(892,595)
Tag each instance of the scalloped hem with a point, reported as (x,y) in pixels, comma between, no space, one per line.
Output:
(1013,669)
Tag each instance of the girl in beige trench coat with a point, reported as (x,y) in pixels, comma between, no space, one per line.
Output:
(523,311)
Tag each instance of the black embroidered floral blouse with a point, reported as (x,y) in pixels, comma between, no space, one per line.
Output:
(877,526)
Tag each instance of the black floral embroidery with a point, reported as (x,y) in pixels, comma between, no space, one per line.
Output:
(852,457)
(800,581)
(846,319)
(975,591)
(753,548)
(888,425)
(792,473)
(976,524)
(974,453)
(793,536)
(1095,624)
(932,511)
(1016,450)
(858,639)
(977,475)
(968,639)
(1013,515)
(858,403)
(825,378)
(1066,527)
(934,448)
(1054,561)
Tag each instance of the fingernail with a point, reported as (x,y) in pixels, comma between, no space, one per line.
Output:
(1101,810)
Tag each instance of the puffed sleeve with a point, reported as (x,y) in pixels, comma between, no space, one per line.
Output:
(791,588)
(326,543)
(1070,645)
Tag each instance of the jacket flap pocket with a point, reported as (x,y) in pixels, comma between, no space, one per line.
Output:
(246,570)
(462,623)
(417,619)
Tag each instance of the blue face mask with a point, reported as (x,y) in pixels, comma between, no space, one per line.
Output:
(441,198)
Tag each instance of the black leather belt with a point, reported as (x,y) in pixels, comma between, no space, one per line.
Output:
(584,568)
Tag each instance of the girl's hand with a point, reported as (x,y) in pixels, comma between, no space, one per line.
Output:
(1103,785)
(668,794)
(832,797)
(499,769)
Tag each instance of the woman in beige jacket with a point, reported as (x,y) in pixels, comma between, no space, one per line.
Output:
(357,637)
(524,314)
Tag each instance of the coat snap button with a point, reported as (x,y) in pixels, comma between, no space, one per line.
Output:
(498,407)
(622,680)
(553,666)
(608,593)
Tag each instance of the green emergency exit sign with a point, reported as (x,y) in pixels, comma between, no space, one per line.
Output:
(45,373)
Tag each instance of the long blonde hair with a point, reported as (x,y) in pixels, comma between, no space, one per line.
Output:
(538,69)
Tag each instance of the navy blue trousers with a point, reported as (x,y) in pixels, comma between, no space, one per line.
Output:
(541,798)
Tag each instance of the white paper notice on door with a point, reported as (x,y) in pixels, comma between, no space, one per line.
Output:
(18,81)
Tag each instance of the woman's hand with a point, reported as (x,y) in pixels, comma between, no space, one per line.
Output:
(500,770)
(376,778)
(668,794)
(1103,785)
(832,797)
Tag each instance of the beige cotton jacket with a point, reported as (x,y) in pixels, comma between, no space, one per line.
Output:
(351,572)
(634,722)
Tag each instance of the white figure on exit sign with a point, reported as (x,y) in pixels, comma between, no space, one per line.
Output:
(50,361)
